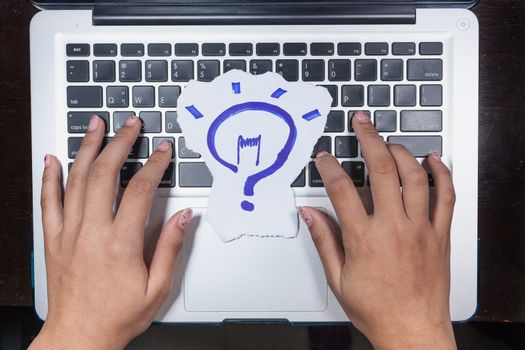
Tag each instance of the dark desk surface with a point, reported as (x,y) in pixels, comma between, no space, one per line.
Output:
(501,158)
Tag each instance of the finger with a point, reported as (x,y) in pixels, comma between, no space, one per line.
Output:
(327,244)
(76,180)
(441,216)
(50,199)
(136,201)
(415,183)
(384,181)
(104,172)
(168,248)
(342,193)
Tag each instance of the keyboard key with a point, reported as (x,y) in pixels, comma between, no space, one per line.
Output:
(143,96)
(185,152)
(73,145)
(405,95)
(345,146)
(385,121)
(240,49)
(213,49)
(313,70)
(352,96)
(234,64)
(84,96)
(315,177)
(128,170)
(289,69)
(365,70)
(378,95)
(194,175)
(356,171)
(151,121)
(132,50)
(335,122)
(295,49)
(158,140)
(323,144)
(421,120)
(77,71)
(172,125)
(130,71)
(431,95)
(376,49)
(267,49)
(156,70)
(104,71)
(434,48)
(156,50)
(339,70)
(425,69)
(391,70)
(117,96)
(321,49)
(182,70)
(168,178)
(105,50)
(419,146)
(300,181)
(76,50)
(77,122)
(119,118)
(186,49)
(140,149)
(349,49)
(332,89)
(207,70)
(351,116)
(168,96)
(403,49)
(260,66)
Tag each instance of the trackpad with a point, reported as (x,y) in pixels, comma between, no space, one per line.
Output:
(253,274)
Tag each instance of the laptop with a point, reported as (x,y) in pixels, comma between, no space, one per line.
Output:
(413,65)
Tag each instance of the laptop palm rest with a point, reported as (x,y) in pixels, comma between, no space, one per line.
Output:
(252,274)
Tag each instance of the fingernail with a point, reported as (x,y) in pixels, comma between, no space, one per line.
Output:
(321,154)
(93,123)
(185,218)
(164,146)
(132,120)
(47,160)
(305,215)
(361,117)
(435,156)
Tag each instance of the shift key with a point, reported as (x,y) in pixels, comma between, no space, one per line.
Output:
(84,96)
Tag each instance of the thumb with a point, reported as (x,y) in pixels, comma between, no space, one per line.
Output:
(168,248)
(327,243)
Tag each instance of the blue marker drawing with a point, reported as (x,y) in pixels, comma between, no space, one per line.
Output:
(282,155)
(248,142)
(236,88)
(311,115)
(194,111)
(278,93)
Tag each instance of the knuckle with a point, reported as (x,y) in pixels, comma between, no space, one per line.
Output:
(88,142)
(141,185)
(419,178)
(165,289)
(117,250)
(448,196)
(338,187)
(47,177)
(175,244)
(384,166)
(75,180)
(99,169)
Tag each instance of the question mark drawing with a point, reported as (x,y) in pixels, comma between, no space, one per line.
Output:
(265,113)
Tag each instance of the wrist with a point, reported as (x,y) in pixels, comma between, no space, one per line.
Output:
(414,337)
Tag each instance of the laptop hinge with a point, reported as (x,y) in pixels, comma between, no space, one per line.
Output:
(259,14)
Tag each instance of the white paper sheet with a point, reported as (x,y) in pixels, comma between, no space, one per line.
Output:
(255,133)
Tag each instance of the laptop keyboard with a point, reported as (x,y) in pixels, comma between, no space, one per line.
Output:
(399,85)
